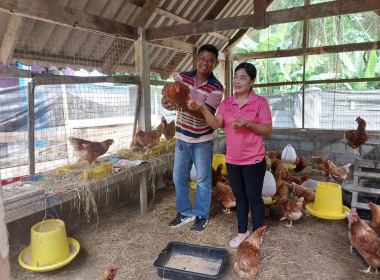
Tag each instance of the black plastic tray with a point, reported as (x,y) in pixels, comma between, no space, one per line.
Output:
(177,248)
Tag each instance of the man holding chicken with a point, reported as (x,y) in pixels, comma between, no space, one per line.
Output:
(195,140)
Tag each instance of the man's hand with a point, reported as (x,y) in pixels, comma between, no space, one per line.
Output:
(194,106)
(238,123)
(167,105)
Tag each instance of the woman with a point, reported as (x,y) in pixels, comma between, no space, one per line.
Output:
(247,118)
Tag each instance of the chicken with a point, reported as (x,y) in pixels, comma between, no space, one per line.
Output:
(320,163)
(298,179)
(356,138)
(90,151)
(283,187)
(248,255)
(301,191)
(135,144)
(167,178)
(375,217)
(109,274)
(284,171)
(268,162)
(169,129)
(217,175)
(177,93)
(275,154)
(366,241)
(339,174)
(149,138)
(300,164)
(275,163)
(292,209)
(267,212)
(224,193)
(329,178)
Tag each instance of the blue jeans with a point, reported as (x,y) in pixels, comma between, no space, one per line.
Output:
(201,155)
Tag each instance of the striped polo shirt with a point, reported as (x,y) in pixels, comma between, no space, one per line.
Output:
(210,93)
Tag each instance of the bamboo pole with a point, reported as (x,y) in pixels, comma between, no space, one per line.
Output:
(5,269)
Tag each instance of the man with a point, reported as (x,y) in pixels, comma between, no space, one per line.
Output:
(194,140)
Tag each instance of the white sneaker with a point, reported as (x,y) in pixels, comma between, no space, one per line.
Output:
(235,242)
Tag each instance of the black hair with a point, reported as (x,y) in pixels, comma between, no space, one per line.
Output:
(209,48)
(249,68)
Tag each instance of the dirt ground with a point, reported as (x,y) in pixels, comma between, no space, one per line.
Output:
(312,249)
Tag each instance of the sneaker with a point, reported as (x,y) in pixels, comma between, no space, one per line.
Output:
(199,224)
(180,220)
(235,242)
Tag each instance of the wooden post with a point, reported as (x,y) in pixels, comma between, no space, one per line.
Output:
(5,269)
(305,44)
(31,142)
(259,10)
(222,76)
(142,113)
(228,75)
(143,193)
(195,57)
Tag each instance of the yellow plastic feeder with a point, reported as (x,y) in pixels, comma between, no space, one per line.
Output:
(49,248)
(270,201)
(291,166)
(193,185)
(328,202)
(219,159)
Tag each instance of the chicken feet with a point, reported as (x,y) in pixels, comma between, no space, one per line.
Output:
(289,225)
(369,270)
(227,211)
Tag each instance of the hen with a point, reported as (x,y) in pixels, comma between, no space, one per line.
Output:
(274,164)
(365,240)
(249,254)
(109,274)
(339,174)
(217,175)
(268,162)
(90,151)
(135,144)
(301,191)
(177,93)
(375,217)
(282,186)
(319,163)
(292,209)
(298,179)
(356,138)
(224,193)
(284,171)
(149,138)
(275,154)
(169,129)
(300,164)
(167,178)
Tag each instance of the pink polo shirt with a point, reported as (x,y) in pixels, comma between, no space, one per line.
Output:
(243,145)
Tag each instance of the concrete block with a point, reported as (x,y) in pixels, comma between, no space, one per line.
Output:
(306,154)
(271,145)
(284,143)
(338,147)
(306,145)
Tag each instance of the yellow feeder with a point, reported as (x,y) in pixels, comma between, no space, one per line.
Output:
(270,201)
(219,159)
(49,248)
(291,166)
(193,185)
(328,202)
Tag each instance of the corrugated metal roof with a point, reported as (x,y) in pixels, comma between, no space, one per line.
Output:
(49,44)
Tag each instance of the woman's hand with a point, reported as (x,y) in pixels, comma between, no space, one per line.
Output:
(194,106)
(238,123)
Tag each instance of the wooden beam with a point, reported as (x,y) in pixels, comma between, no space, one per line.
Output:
(259,9)
(175,44)
(310,51)
(143,193)
(43,79)
(305,45)
(113,58)
(5,269)
(51,12)
(228,91)
(142,113)
(327,9)
(15,73)
(158,83)
(10,37)
(31,142)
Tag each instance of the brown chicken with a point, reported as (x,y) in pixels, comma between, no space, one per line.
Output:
(366,241)
(375,217)
(149,138)
(292,209)
(268,162)
(356,138)
(275,163)
(90,151)
(275,154)
(169,129)
(177,93)
(320,163)
(283,187)
(267,212)
(329,178)
(249,254)
(301,191)
(109,274)
(339,174)
(167,178)
(217,175)
(300,164)
(224,193)
(298,179)
(284,171)
(135,144)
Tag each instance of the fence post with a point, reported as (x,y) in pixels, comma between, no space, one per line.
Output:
(5,270)
(31,138)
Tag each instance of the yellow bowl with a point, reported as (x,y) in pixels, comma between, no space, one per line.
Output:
(193,185)
(291,166)
(328,216)
(270,201)
(219,159)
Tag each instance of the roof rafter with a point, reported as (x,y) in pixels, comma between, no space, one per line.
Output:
(9,40)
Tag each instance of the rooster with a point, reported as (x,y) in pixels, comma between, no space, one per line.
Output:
(356,138)
(375,217)
(366,241)
(169,129)
(109,274)
(177,93)
(224,193)
(90,151)
(249,254)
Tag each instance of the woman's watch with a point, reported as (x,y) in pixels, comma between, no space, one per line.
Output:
(248,124)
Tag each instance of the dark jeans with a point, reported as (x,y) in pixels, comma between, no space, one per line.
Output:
(247,185)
